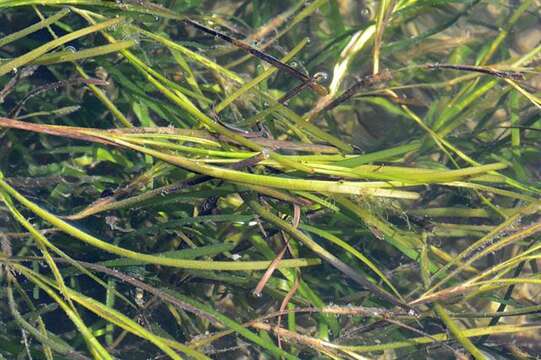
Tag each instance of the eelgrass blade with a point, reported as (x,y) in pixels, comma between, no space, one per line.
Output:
(41,50)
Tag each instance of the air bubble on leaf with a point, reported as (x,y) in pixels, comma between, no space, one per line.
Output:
(71,48)
(321,76)
(366,12)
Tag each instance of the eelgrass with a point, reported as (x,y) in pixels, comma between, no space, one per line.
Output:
(167,193)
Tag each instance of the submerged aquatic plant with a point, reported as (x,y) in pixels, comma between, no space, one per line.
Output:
(288,179)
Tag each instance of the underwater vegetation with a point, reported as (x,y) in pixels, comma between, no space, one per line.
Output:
(326,179)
